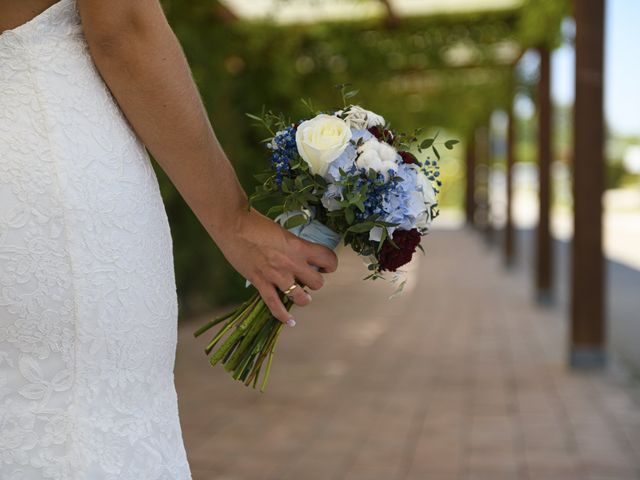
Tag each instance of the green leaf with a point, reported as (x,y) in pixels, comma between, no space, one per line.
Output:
(351,93)
(275,210)
(360,227)
(349,215)
(450,143)
(426,143)
(263,177)
(383,237)
(263,195)
(295,221)
(309,105)
(380,223)
(435,150)
(253,117)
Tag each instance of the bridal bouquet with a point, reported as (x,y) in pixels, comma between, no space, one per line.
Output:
(339,176)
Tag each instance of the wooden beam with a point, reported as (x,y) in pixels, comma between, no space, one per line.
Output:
(587,294)
(392,20)
(544,246)
(223,13)
(509,241)
(470,190)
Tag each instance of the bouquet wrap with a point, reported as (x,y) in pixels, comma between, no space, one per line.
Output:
(316,232)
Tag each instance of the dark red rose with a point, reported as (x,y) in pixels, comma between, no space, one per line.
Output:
(392,258)
(382,134)
(408,157)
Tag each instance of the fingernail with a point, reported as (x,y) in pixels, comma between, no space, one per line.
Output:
(290,323)
(309,297)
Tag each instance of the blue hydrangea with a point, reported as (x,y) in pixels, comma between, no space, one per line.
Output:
(405,203)
(283,150)
(379,194)
(395,201)
(346,161)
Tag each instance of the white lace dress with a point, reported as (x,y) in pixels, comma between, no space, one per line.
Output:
(88,306)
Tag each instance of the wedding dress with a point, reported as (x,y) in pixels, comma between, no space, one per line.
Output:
(88,307)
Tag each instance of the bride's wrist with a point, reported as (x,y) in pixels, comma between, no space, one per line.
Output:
(234,227)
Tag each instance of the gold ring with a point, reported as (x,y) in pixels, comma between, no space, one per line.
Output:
(288,291)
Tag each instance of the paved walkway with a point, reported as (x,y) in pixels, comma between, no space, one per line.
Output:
(462,378)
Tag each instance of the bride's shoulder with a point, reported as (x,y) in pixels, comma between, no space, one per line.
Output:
(14,13)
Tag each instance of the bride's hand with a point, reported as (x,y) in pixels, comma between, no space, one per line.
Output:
(273,259)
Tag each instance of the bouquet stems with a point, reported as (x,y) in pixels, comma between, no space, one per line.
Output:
(246,339)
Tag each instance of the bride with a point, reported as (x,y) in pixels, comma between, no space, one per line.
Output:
(88,306)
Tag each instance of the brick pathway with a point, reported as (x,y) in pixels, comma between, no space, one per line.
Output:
(462,378)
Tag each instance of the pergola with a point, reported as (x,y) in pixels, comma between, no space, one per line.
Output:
(464,53)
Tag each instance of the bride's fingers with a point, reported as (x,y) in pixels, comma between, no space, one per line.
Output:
(274,304)
(324,258)
(309,276)
(296,293)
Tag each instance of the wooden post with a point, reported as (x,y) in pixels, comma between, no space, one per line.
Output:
(487,160)
(470,191)
(544,246)
(509,241)
(483,182)
(587,348)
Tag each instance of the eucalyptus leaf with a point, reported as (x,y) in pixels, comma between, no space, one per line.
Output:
(450,143)
(426,143)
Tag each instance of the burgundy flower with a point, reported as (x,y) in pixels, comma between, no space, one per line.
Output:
(382,134)
(392,258)
(408,157)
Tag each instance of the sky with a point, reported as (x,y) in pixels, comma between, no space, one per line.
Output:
(622,68)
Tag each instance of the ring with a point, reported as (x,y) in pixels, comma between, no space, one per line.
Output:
(288,291)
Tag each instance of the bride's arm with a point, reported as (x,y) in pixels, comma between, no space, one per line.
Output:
(143,65)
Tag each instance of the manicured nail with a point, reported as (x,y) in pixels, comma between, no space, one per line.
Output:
(291,323)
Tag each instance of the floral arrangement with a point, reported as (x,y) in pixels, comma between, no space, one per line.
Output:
(343,175)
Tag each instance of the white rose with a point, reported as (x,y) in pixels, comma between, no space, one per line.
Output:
(321,140)
(360,119)
(378,156)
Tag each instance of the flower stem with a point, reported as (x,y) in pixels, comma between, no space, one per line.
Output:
(272,349)
(241,314)
(254,329)
(253,311)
